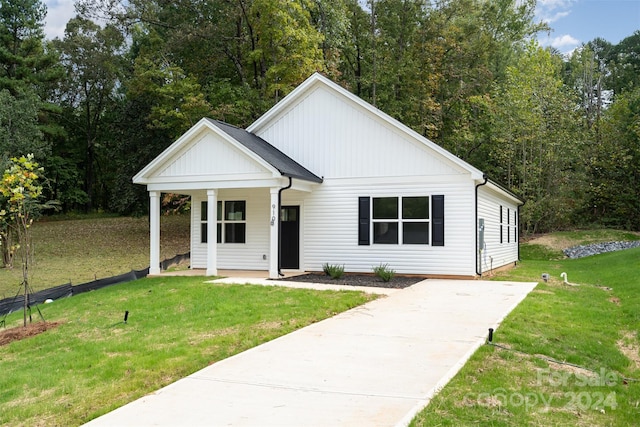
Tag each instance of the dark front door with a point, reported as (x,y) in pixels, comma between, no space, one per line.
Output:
(290,237)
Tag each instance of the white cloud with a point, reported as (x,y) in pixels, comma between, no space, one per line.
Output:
(556,16)
(555,4)
(564,41)
(59,12)
(552,10)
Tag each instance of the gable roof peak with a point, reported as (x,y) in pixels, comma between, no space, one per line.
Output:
(317,79)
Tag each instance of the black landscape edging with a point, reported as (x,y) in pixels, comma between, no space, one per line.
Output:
(9,305)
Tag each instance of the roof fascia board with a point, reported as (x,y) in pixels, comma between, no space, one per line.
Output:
(502,190)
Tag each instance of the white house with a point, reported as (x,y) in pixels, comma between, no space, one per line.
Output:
(325,177)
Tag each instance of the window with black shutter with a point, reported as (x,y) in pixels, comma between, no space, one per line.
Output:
(401,220)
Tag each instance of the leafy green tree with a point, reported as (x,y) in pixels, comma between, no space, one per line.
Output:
(613,167)
(623,63)
(288,47)
(538,140)
(91,57)
(23,60)
(19,132)
(21,190)
(586,73)
(331,19)
(27,64)
(176,99)
(355,54)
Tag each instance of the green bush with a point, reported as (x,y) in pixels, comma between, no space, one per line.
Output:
(384,272)
(335,271)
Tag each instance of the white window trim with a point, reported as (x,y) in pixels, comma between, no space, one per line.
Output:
(400,221)
(221,235)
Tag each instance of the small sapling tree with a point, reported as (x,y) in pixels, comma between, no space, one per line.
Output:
(21,189)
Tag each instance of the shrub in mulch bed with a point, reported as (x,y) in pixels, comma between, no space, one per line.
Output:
(350,279)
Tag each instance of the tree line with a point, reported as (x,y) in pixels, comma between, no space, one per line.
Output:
(129,77)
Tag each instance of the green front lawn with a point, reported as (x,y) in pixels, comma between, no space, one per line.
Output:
(594,326)
(93,362)
(86,248)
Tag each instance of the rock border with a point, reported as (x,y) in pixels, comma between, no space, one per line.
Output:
(599,248)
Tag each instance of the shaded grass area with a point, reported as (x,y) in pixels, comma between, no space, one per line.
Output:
(80,250)
(94,362)
(594,325)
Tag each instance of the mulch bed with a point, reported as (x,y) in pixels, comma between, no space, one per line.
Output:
(15,334)
(398,282)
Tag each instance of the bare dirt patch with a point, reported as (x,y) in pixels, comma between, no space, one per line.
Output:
(630,347)
(552,242)
(16,334)
(575,370)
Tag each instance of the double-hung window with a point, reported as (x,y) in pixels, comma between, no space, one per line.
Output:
(231,221)
(508,225)
(403,220)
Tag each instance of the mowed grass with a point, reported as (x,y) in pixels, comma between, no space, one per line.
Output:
(93,362)
(594,325)
(84,249)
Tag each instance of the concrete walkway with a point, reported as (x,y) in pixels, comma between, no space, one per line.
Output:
(375,365)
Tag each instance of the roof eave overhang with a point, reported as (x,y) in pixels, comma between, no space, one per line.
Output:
(501,189)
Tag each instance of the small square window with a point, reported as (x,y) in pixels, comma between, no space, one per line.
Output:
(234,211)
(385,208)
(234,232)
(415,233)
(415,208)
(385,232)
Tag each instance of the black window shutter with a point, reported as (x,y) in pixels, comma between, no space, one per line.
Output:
(437,222)
(364,211)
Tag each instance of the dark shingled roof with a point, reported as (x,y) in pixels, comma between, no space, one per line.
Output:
(276,158)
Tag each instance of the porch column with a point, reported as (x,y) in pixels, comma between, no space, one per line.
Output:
(274,221)
(212,233)
(154,230)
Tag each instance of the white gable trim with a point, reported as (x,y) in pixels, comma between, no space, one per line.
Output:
(317,79)
(149,173)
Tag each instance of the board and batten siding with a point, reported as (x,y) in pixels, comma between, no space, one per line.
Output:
(496,253)
(334,138)
(330,228)
(241,256)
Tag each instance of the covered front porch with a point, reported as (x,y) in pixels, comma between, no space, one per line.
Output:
(236,229)
(235,180)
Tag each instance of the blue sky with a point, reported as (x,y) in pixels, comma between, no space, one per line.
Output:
(573,21)
(579,21)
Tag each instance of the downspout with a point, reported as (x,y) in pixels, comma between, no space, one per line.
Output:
(519,206)
(478,270)
(279,223)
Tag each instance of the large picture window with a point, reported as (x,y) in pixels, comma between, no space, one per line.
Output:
(400,220)
(231,221)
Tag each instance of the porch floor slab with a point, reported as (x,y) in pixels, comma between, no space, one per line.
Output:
(377,364)
(252,274)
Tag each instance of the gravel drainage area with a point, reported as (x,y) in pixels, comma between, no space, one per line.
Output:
(599,248)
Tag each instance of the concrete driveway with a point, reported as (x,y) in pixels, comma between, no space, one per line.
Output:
(375,365)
